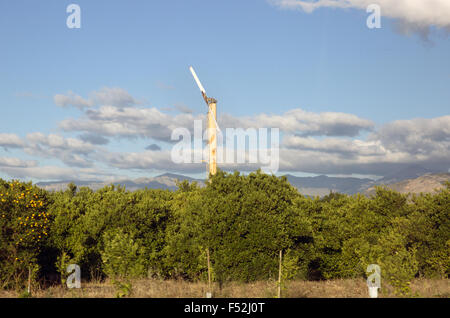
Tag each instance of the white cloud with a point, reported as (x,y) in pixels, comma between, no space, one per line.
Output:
(114,96)
(158,160)
(71,99)
(129,122)
(412,14)
(94,139)
(16,162)
(47,172)
(183,109)
(71,151)
(53,141)
(56,173)
(421,141)
(327,142)
(134,122)
(304,123)
(145,160)
(344,147)
(304,149)
(416,136)
(10,141)
(153,147)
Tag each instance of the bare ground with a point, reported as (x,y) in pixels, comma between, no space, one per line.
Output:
(153,288)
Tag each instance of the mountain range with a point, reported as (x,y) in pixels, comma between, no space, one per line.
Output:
(413,179)
(164,181)
(426,183)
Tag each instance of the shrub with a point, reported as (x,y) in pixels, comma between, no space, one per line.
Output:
(122,255)
(398,263)
(24,223)
(243,220)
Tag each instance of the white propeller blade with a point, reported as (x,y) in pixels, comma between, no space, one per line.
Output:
(199,84)
(202,89)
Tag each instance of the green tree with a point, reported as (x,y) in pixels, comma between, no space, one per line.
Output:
(24,227)
(122,255)
(244,221)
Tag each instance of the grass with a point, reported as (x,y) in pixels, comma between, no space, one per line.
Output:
(153,288)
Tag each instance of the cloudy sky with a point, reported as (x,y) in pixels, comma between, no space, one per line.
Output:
(100,102)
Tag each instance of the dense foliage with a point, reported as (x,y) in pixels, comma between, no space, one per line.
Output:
(243,221)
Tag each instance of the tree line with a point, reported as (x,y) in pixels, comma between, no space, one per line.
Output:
(242,220)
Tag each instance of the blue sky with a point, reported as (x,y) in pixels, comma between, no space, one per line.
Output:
(253,56)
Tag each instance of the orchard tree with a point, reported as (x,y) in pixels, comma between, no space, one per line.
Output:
(24,223)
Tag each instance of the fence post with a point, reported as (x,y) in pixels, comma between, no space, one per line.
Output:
(29,280)
(279,275)
(209,294)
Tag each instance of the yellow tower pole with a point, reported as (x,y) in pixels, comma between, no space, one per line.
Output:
(212,135)
(212,125)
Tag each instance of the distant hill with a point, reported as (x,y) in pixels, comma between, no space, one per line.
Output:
(426,183)
(409,172)
(310,186)
(322,185)
(165,181)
